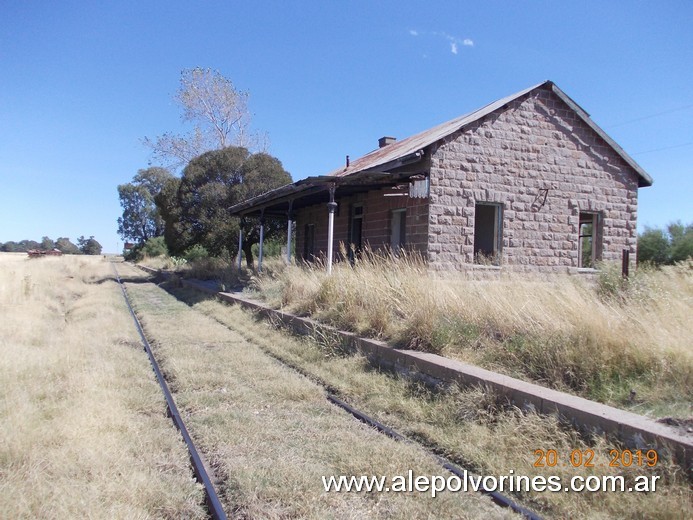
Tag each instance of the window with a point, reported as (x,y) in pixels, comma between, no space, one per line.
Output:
(309,243)
(398,230)
(589,250)
(488,233)
(355,230)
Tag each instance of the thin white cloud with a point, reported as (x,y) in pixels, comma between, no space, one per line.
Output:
(454,42)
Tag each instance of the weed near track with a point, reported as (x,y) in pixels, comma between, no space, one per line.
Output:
(626,344)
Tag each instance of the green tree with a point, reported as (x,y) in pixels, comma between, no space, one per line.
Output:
(653,246)
(10,247)
(153,247)
(47,244)
(681,241)
(26,245)
(141,219)
(177,237)
(21,246)
(89,246)
(67,247)
(669,246)
(211,183)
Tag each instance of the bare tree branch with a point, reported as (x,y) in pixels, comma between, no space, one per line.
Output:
(219,114)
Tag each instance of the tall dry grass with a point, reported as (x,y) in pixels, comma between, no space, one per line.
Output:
(83,431)
(269,433)
(623,343)
(472,426)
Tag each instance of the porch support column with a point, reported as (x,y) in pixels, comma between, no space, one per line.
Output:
(262,239)
(289,227)
(331,208)
(240,242)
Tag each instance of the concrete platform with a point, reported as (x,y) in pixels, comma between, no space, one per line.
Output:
(635,431)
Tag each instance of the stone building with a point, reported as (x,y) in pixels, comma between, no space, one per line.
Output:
(528,183)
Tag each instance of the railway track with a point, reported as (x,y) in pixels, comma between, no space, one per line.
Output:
(332,396)
(214,507)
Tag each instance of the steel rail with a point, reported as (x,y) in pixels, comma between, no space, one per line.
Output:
(216,511)
(497,497)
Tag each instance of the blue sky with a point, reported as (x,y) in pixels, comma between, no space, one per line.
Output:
(82,82)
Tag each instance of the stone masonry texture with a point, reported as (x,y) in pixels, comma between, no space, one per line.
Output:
(511,157)
(537,160)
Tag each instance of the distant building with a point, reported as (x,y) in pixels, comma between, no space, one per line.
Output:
(528,183)
(35,253)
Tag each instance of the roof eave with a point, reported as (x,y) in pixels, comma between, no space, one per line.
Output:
(318,183)
(645,179)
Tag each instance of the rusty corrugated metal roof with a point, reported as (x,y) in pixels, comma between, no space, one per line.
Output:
(382,158)
(421,140)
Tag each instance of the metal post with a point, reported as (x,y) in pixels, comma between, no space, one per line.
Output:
(625,263)
(240,243)
(289,227)
(262,239)
(331,208)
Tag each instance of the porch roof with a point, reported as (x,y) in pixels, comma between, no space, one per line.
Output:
(374,168)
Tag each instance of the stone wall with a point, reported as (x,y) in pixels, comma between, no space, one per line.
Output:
(536,146)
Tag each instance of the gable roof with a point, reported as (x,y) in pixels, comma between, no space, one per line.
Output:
(403,148)
(398,149)
(388,157)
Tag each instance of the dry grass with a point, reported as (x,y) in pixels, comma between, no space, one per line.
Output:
(270,434)
(221,270)
(471,426)
(83,431)
(601,341)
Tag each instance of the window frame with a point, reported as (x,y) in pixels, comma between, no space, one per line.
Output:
(399,215)
(595,219)
(497,240)
(356,212)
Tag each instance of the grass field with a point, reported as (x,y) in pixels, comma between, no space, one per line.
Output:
(471,426)
(87,436)
(83,430)
(628,344)
(270,434)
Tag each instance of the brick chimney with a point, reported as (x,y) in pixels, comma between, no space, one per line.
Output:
(384,141)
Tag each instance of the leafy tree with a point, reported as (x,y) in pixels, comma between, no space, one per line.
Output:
(660,247)
(219,115)
(67,247)
(155,246)
(176,236)
(19,247)
(653,246)
(10,247)
(141,219)
(47,244)
(197,214)
(196,252)
(26,245)
(681,241)
(89,246)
